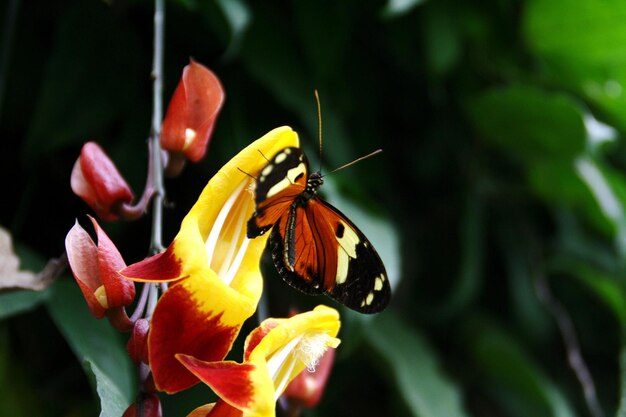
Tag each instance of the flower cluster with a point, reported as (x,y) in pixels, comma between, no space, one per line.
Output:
(209,277)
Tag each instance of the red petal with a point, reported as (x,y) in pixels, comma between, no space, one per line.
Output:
(98,182)
(178,326)
(228,379)
(162,267)
(195,104)
(82,255)
(255,337)
(120,291)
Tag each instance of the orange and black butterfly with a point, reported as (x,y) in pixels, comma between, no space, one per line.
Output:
(315,248)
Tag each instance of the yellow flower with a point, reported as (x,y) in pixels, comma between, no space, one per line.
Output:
(213,267)
(274,354)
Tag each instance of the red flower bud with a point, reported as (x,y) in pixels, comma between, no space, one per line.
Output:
(307,388)
(97,181)
(145,406)
(137,346)
(192,112)
(95,269)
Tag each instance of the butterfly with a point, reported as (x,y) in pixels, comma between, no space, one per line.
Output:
(315,248)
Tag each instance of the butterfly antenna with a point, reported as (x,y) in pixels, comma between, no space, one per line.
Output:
(263,155)
(319,123)
(376,152)
(248,174)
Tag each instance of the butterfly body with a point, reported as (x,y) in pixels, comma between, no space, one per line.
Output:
(315,248)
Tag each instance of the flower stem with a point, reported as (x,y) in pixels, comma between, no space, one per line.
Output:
(156,241)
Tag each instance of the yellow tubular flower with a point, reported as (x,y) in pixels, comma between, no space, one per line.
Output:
(213,267)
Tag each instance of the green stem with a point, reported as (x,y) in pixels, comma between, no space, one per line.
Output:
(156,241)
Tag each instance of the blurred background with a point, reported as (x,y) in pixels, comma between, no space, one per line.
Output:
(498,203)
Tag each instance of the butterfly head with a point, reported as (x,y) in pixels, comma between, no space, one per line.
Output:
(315,181)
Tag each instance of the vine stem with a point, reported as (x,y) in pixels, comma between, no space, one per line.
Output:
(156,240)
(574,354)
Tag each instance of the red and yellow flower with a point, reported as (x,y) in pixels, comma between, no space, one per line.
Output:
(213,267)
(274,354)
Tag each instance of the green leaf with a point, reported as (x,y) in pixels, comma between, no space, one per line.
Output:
(470,277)
(529,122)
(584,48)
(607,288)
(558,183)
(609,190)
(591,33)
(17,302)
(514,379)
(397,8)
(426,390)
(97,345)
(113,401)
(238,17)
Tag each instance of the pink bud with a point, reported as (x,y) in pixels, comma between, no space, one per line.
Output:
(95,269)
(307,388)
(192,112)
(97,181)
(137,346)
(145,406)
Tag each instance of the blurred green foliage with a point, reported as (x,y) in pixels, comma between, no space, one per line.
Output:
(503,174)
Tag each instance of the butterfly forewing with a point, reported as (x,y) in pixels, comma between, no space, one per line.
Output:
(276,187)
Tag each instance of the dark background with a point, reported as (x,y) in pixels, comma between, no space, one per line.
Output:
(495,184)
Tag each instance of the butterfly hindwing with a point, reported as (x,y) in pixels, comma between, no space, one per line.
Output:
(331,256)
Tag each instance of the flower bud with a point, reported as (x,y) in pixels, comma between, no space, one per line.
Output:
(192,112)
(95,270)
(97,181)
(307,388)
(137,346)
(145,406)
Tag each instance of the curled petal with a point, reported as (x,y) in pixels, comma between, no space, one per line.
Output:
(192,112)
(97,181)
(275,357)
(82,255)
(95,270)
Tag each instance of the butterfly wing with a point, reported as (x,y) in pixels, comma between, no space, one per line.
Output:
(317,249)
(277,186)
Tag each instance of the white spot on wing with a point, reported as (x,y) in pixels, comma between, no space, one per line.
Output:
(266,171)
(349,240)
(369,298)
(280,157)
(289,179)
(378,283)
(342,266)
